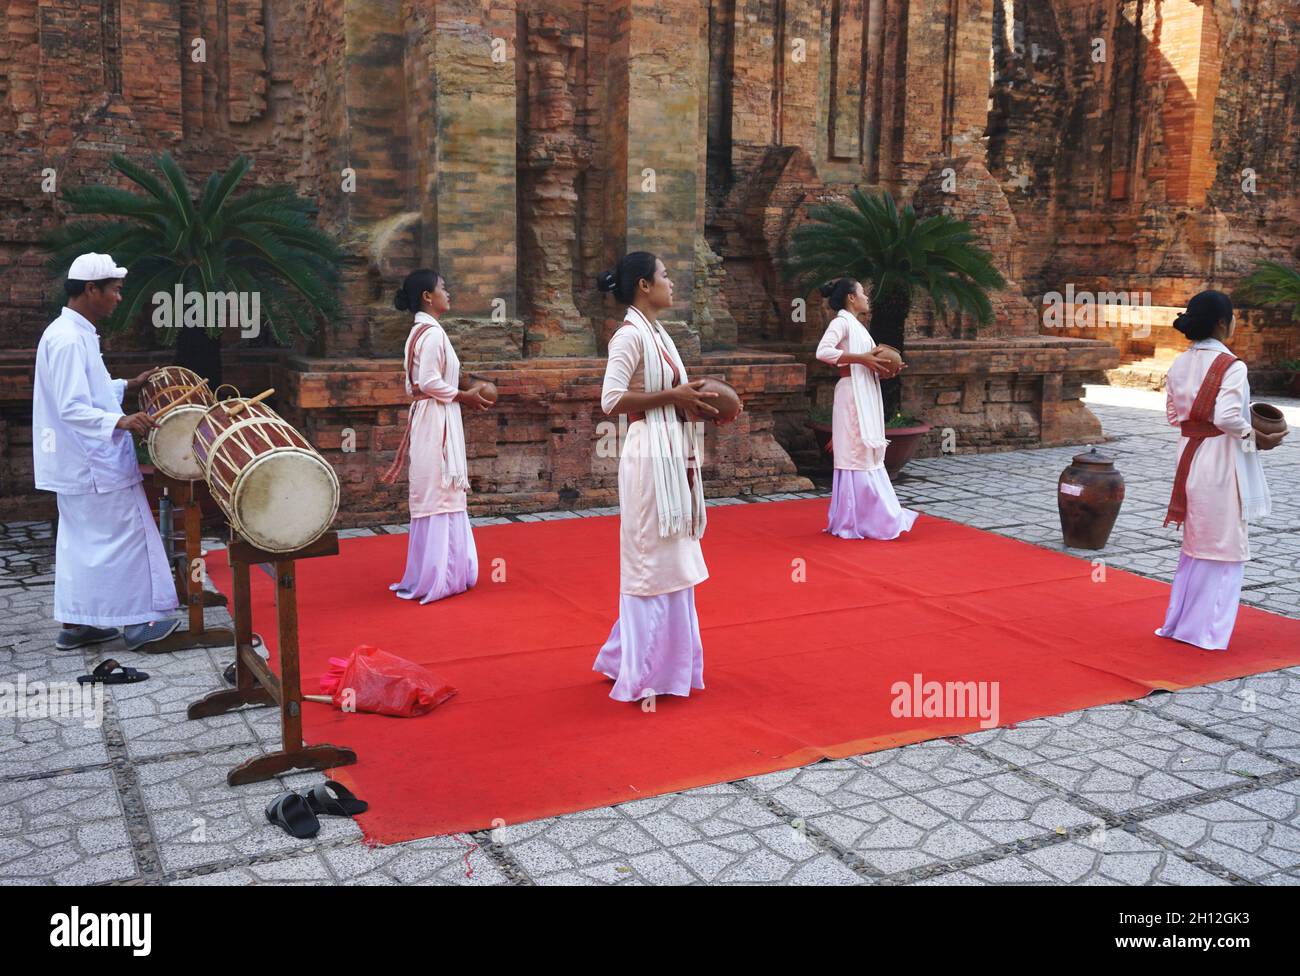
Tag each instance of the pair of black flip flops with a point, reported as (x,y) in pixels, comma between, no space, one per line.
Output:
(298,813)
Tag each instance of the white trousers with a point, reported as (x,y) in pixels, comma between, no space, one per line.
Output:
(110,569)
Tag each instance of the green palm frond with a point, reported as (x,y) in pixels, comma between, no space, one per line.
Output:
(263,239)
(897,252)
(138,175)
(1273,284)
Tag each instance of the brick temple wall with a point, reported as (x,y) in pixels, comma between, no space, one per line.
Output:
(522,147)
(1150,144)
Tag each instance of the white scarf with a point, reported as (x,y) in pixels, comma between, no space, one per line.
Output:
(1252,486)
(1256,501)
(673,445)
(866,392)
(455,467)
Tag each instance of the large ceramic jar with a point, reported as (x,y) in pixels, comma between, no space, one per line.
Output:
(1089,494)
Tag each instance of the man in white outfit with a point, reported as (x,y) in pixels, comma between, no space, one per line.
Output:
(110,569)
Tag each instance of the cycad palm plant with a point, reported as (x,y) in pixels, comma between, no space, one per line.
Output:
(261,241)
(896,255)
(1273,284)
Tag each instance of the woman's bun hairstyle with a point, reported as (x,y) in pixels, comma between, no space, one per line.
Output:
(1204,313)
(413,287)
(630,271)
(837,292)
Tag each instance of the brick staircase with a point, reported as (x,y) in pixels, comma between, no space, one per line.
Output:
(1142,372)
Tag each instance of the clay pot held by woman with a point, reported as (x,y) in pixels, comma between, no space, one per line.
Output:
(1089,494)
(486,388)
(891,354)
(1266,419)
(727,403)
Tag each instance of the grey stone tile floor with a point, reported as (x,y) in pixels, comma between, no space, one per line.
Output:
(1198,787)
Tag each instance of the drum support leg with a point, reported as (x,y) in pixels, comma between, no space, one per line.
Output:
(308,757)
(190,574)
(256,683)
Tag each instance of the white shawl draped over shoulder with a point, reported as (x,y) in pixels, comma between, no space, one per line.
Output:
(866,384)
(1256,501)
(674,446)
(438,378)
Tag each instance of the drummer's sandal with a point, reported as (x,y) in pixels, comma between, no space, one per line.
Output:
(111,673)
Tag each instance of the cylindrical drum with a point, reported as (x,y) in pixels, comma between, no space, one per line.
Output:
(277,491)
(171,443)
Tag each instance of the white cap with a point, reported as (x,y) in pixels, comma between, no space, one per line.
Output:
(94,267)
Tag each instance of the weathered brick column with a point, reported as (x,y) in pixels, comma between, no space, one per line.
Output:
(661,145)
(552,157)
(474,68)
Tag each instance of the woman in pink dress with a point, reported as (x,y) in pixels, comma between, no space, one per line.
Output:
(863,503)
(654,647)
(1219,483)
(441,559)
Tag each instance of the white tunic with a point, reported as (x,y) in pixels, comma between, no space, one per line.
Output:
(76,447)
(110,568)
(649,564)
(437,376)
(853,451)
(1214,527)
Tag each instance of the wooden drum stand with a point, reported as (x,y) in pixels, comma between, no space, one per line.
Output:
(255,682)
(181,496)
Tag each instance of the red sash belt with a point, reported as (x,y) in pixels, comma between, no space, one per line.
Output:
(1196,428)
(633,417)
(403,449)
(846,371)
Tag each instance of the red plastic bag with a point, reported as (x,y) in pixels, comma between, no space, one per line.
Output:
(372,680)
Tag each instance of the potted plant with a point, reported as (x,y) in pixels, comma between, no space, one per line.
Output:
(904,433)
(896,255)
(260,243)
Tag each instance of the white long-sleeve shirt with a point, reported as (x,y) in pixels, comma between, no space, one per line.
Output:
(76,446)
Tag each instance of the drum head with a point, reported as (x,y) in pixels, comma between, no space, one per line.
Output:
(171,444)
(285,500)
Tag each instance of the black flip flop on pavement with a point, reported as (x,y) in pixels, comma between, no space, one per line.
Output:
(290,812)
(334,800)
(111,673)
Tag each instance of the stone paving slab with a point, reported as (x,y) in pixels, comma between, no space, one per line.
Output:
(1114,857)
(93,852)
(1195,787)
(1255,835)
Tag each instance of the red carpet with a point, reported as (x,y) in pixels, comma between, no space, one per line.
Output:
(795,670)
